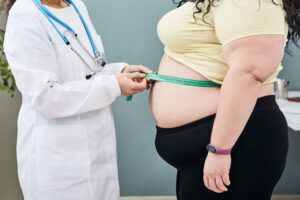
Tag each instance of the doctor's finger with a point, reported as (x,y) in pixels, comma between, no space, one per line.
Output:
(136,75)
(138,80)
(144,69)
(140,86)
(145,81)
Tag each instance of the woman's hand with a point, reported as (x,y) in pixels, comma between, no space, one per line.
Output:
(216,172)
(132,83)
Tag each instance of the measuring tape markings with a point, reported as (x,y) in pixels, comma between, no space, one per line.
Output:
(177,80)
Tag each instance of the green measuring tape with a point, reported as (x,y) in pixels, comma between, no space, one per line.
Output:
(177,80)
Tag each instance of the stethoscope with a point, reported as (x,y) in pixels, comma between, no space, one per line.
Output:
(98,57)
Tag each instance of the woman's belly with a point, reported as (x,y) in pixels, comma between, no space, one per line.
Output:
(175,105)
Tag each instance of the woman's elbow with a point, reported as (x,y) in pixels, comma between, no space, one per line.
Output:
(255,75)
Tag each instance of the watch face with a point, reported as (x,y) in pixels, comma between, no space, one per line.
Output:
(211,149)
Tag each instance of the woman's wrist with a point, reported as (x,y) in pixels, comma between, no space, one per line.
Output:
(217,150)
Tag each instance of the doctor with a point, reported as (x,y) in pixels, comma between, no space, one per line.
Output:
(66,146)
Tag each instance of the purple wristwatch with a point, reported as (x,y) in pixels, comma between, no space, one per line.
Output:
(217,150)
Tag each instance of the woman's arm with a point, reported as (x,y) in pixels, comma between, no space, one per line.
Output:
(251,61)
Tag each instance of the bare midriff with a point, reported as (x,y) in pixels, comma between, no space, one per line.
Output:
(174,105)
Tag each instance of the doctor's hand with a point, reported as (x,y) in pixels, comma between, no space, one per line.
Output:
(132,83)
(141,69)
(137,68)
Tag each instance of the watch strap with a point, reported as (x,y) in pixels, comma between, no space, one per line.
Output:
(217,150)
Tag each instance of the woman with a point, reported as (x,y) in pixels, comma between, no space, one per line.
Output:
(238,44)
(66,146)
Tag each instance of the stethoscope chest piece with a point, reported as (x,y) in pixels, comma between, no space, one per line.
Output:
(98,58)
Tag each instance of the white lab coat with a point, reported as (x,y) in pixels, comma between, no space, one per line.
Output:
(66,146)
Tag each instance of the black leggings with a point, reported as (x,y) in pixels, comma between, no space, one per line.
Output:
(258,157)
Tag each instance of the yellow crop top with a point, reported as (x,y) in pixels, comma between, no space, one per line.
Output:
(198,44)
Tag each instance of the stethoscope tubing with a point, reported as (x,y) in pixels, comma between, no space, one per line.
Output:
(85,25)
(48,14)
(98,55)
(77,53)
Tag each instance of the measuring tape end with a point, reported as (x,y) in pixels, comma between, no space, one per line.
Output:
(129,98)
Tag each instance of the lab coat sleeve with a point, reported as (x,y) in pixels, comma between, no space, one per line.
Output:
(115,68)
(110,68)
(32,59)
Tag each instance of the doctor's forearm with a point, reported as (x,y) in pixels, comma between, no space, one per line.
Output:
(237,100)
(76,97)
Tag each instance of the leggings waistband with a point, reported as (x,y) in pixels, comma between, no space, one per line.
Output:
(261,104)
